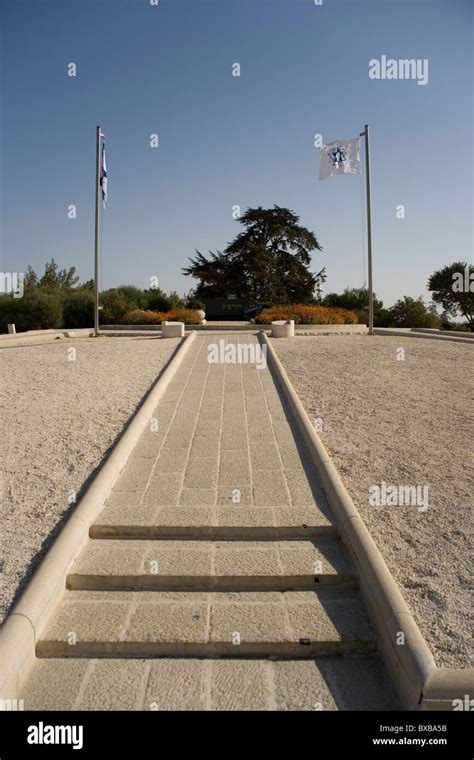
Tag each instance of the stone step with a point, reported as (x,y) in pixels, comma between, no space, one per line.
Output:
(295,624)
(141,521)
(210,565)
(321,684)
(221,532)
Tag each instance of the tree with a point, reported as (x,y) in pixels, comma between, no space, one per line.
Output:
(268,262)
(133,295)
(410,312)
(31,278)
(157,300)
(40,310)
(52,278)
(191,301)
(117,301)
(175,300)
(453,288)
(78,309)
(357,299)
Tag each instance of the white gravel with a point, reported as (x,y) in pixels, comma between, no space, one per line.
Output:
(59,419)
(405,422)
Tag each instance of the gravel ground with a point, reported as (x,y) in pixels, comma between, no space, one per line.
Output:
(405,422)
(59,419)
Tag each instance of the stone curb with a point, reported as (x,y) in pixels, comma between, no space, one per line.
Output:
(41,337)
(25,624)
(411,666)
(424,335)
(79,331)
(446,686)
(356,329)
(445,333)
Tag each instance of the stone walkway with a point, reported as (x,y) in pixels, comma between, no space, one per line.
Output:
(214,552)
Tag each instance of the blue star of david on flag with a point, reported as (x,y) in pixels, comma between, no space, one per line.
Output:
(337,156)
(341,157)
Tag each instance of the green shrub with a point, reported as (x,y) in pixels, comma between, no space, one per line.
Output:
(157,300)
(411,312)
(192,302)
(133,295)
(44,309)
(116,302)
(11,313)
(114,305)
(79,308)
(382,317)
(176,302)
(39,309)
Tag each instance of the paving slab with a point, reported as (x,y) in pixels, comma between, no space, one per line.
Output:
(214,578)
(153,624)
(176,685)
(226,519)
(319,684)
(190,564)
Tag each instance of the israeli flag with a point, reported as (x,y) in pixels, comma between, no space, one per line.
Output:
(340,157)
(103,176)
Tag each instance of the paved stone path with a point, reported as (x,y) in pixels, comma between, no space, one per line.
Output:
(215,550)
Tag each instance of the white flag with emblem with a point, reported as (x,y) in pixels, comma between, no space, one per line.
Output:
(340,157)
(103,176)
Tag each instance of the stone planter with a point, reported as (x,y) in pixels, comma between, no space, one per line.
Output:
(172,329)
(283,328)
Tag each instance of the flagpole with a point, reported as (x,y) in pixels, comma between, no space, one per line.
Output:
(369,229)
(97,223)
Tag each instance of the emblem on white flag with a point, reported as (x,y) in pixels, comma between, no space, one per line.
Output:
(103,176)
(340,157)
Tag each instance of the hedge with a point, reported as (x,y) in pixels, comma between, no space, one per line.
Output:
(78,308)
(39,309)
(145,317)
(307,315)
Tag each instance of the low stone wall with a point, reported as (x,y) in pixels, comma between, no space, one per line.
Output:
(357,329)
(246,326)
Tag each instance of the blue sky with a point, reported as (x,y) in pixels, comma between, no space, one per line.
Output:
(227,141)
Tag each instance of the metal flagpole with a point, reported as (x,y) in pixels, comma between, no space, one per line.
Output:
(97,221)
(369,230)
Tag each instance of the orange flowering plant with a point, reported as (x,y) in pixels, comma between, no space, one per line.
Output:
(144,317)
(307,315)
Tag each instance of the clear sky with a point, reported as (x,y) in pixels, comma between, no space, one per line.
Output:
(227,141)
